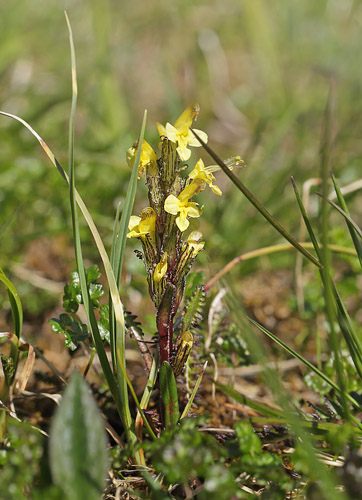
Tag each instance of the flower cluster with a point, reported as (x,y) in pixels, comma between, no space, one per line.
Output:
(169,249)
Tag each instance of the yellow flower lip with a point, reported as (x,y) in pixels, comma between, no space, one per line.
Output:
(148,158)
(181,134)
(160,269)
(194,242)
(183,209)
(145,224)
(204,173)
(181,205)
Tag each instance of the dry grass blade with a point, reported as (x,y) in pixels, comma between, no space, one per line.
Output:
(28,368)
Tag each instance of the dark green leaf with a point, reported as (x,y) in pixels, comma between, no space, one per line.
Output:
(103,323)
(92,273)
(73,293)
(168,390)
(73,331)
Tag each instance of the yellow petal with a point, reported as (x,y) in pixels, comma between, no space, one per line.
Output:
(191,190)
(198,169)
(186,118)
(130,156)
(172,204)
(215,189)
(134,220)
(194,241)
(194,236)
(161,129)
(160,269)
(193,141)
(182,222)
(171,132)
(192,210)
(184,153)
(147,154)
(148,221)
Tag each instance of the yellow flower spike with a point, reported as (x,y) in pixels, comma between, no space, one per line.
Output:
(160,269)
(204,173)
(194,241)
(180,132)
(148,158)
(140,226)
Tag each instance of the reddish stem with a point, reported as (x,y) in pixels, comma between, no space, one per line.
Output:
(165,332)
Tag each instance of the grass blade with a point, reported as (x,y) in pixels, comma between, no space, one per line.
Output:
(115,233)
(119,390)
(327,481)
(351,228)
(128,207)
(75,223)
(117,330)
(15,304)
(116,301)
(345,215)
(306,220)
(254,405)
(194,392)
(309,365)
(352,339)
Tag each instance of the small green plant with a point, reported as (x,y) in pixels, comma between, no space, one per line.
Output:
(169,244)
(21,457)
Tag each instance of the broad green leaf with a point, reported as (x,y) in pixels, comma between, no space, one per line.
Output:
(168,392)
(78,444)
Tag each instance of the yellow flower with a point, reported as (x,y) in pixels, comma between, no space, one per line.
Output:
(194,241)
(161,268)
(148,158)
(234,161)
(181,134)
(193,188)
(183,349)
(183,206)
(140,226)
(204,173)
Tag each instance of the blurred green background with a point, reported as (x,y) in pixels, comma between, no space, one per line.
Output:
(259,69)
